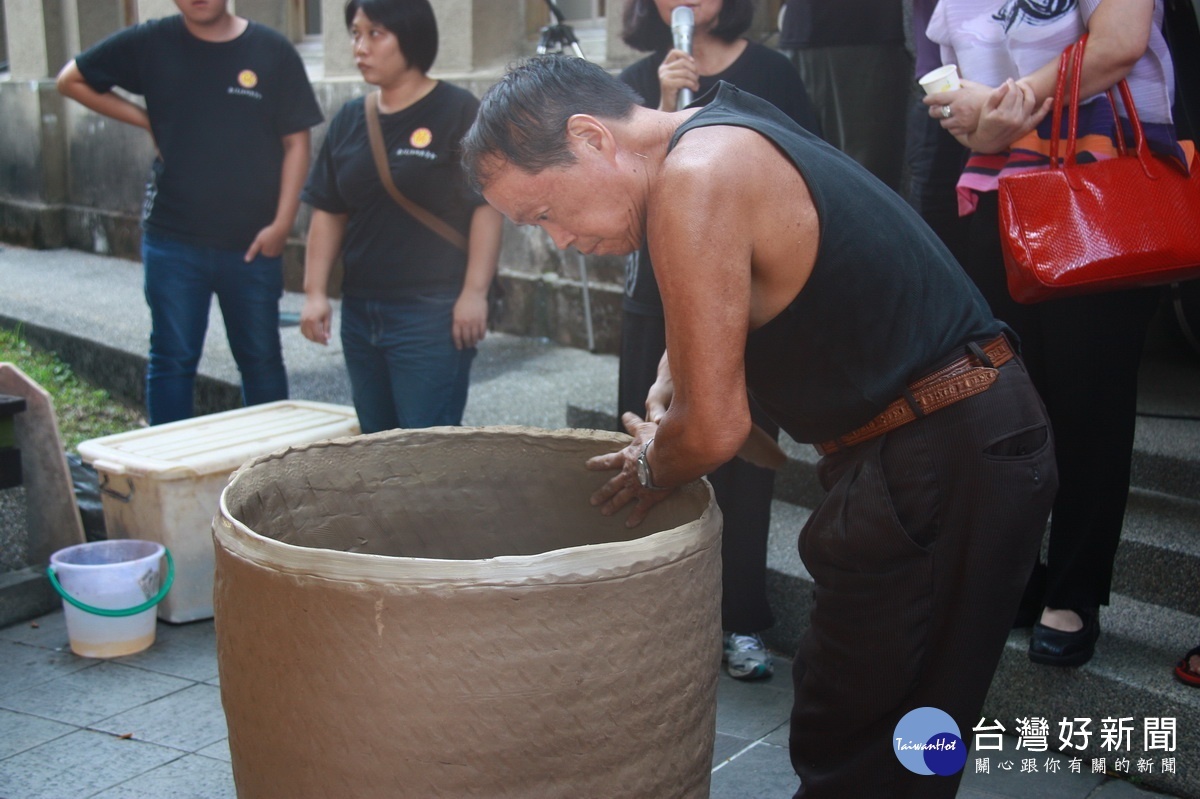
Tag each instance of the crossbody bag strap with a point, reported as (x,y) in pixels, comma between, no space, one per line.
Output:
(379,153)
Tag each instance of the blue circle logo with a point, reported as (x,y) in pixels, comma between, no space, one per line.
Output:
(927,741)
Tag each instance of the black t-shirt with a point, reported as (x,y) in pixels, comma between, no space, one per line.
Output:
(219,112)
(388,254)
(841,23)
(759,70)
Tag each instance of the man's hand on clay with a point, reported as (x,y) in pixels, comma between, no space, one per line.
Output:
(625,487)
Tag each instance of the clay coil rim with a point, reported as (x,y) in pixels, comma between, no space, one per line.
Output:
(586,563)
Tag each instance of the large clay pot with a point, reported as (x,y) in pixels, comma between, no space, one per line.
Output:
(440,613)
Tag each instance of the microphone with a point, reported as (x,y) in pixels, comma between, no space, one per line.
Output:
(682,23)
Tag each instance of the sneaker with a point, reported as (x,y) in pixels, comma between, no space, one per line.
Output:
(746,657)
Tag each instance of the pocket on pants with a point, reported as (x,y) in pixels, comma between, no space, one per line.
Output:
(856,528)
(1027,443)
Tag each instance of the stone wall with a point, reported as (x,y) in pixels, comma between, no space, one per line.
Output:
(31,164)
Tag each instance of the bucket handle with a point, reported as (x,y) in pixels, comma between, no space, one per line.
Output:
(149,603)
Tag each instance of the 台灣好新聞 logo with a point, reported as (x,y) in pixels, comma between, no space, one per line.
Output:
(927,741)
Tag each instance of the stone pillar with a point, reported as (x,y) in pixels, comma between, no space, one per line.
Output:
(478,34)
(62,34)
(339,60)
(3,36)
(35,47)
(96,20)
(42,36)
(617,54)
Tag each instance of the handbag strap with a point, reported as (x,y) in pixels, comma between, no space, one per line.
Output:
(1073,98)
(1064,64)
(379,153)
(1071,63)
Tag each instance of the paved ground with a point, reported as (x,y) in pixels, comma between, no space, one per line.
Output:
(150,725)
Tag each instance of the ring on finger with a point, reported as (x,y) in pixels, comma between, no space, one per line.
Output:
(947,112)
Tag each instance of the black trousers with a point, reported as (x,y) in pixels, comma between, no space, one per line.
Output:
(919,554)
(1083,354)
(935,161)
(743,490)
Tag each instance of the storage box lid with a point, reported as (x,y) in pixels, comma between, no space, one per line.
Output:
(219,442)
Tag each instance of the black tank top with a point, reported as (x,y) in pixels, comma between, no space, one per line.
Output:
(885,303)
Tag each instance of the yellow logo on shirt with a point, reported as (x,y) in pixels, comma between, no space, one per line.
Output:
(247,78)
(421,138)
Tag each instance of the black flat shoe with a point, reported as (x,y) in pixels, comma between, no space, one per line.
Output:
(1052,647)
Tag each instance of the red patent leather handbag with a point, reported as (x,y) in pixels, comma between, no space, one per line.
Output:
(1123,222)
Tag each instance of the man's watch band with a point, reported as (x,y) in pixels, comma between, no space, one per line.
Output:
(645,477)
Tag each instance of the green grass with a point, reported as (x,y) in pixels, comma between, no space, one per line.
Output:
(84,411)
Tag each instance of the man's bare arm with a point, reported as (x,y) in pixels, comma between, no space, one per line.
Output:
(702,243)
(733,234)
(71,83)
(702,248)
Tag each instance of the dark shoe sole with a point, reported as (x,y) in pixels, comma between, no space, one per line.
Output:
(1063,661)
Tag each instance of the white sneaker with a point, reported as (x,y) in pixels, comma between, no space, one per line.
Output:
(746,657)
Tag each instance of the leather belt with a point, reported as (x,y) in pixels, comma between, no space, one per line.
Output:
(961,378)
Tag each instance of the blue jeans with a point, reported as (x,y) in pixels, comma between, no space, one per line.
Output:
(180,281)
(404,368)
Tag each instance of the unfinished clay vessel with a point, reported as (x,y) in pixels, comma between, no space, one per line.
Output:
(441,613)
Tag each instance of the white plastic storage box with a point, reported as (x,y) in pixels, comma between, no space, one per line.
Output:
(164,483)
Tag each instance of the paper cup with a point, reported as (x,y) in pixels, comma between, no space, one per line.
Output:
(942,79)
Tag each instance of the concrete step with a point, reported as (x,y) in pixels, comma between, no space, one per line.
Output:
(1167,439)
(1158,560)
(1166,454)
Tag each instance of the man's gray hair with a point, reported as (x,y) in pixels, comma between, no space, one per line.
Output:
(522,120)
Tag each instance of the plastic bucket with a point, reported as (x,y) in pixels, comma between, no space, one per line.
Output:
(110,590)
(441,612)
